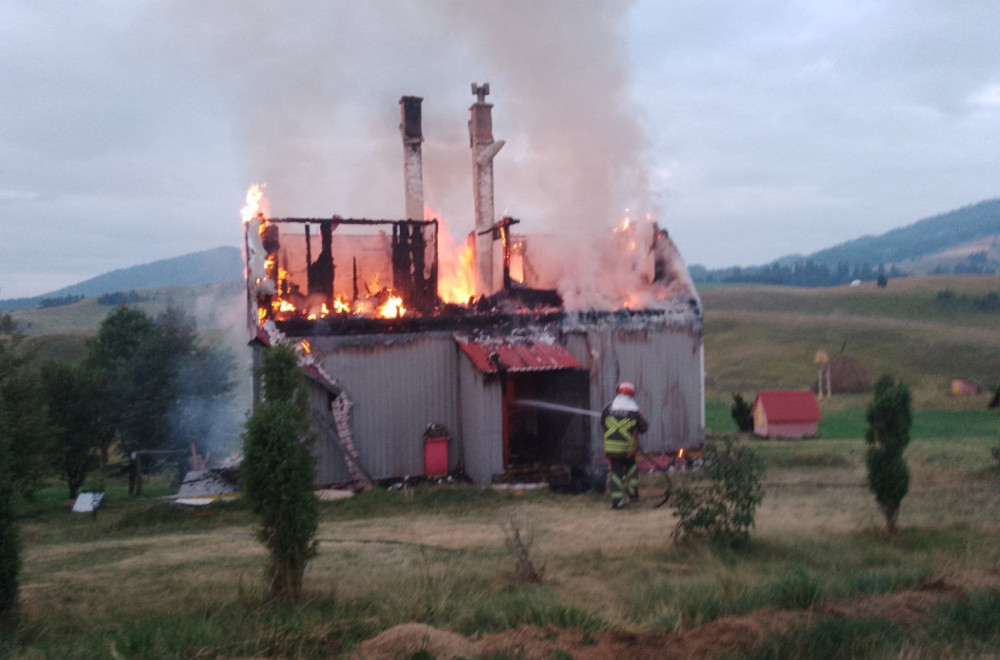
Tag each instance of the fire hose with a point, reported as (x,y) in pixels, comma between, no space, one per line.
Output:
(558,407)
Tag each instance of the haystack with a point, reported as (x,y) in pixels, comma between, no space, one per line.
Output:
(847,376)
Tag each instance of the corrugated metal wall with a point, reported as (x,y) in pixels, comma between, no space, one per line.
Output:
(399,384)
(330,466)
(482,425)
(665,364)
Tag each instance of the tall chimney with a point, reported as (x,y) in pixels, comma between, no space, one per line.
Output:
(484,150)
(413,176)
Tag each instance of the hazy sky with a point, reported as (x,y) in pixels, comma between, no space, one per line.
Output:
(130,129)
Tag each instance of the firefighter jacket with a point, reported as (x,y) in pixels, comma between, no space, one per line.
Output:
(622,423)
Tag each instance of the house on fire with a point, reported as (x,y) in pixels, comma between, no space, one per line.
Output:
(386,358)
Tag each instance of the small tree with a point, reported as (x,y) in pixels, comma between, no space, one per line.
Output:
(742,412)
(27,428)
(277,473)
(720,500)
(890,415)
(10,549)
(73,397)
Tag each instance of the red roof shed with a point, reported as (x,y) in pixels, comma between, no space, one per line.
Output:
(785,414)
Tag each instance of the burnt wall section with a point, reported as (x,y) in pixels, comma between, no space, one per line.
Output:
(412,277)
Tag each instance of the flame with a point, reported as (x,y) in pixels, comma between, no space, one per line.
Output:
(680,454)
(392,309)
(255,202)
(456,264)
(306,348)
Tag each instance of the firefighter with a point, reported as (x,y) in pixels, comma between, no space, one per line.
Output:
(622,423)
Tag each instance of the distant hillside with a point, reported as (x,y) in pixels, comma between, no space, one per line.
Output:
(922,238)
(963,241)
(215,266)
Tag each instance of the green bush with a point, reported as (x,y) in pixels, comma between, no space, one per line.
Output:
(719,500)
(277,473)
(890,416)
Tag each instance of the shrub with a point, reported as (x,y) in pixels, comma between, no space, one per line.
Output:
(277,473)
(741,411)
(519,544)
(10,551)
(890,416)
(719,501)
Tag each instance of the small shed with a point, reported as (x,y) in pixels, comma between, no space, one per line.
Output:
(965,387)
(785,414)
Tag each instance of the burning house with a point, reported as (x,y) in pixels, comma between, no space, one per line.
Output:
(490,354)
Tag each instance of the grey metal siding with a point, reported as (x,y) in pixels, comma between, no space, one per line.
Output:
(330,467)
(482,423)
(666,366)
(397,388)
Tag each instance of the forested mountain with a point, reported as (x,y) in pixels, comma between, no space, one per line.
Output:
(966,240)
(924,237)
(215,266)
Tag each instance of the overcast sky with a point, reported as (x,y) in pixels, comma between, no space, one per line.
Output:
(130,129)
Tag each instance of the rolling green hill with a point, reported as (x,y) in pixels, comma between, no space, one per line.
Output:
(966,240)
(924,237)
(923,330)
(215,266)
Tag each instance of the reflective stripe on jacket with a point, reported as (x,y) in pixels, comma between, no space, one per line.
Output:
(622,423)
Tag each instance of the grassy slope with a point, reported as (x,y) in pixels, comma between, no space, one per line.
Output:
(766,338)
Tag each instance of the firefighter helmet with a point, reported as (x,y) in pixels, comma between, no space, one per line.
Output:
(626,387)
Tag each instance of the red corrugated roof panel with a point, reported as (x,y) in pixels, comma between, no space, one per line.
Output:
(490,355)
(788,406)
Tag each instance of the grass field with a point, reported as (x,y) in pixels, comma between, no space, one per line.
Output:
(144,579)
(766,337)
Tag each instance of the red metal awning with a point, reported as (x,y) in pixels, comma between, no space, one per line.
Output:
(491,355)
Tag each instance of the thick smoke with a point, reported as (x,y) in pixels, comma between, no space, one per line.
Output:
(314,87)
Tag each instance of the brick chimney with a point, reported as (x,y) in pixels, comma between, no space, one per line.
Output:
(484,150)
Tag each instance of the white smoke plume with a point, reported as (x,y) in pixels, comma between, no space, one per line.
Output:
(314,87)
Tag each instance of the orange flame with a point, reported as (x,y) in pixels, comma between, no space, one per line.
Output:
(456,274)
(255,202)
(306,347)
(392,309)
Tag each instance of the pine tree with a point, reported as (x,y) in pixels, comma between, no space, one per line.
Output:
(277,473)
(890,416)
(742,413)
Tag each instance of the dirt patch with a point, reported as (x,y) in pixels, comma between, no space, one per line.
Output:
(724,636)
(404,640)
